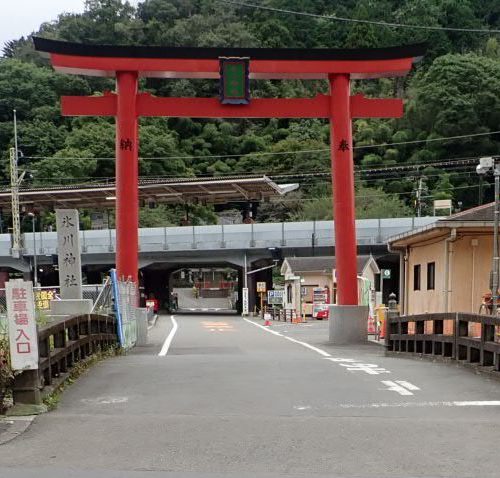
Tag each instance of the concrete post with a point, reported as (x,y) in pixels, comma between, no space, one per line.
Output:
(392,311)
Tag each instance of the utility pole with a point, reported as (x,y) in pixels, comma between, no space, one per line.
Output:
(486,165)
(419,196)
(14,188)
(496,259)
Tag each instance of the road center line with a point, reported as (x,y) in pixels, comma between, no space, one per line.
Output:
(170,337)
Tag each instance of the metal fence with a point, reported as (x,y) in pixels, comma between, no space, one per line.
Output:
(100,294)
(128,304)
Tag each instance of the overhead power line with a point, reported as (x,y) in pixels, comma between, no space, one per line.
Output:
(318,177)
(336,18)
(280,153)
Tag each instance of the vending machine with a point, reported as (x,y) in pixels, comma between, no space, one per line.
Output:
(321,299)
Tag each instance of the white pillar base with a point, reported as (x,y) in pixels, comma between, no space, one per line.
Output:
(348,324)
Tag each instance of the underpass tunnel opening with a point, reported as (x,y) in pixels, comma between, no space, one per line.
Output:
(259,271)
(191,287)
(205,289)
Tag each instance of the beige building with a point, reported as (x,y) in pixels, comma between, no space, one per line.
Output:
(445,267)
(305,274)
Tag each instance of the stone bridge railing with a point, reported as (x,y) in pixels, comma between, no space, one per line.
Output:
(62,344)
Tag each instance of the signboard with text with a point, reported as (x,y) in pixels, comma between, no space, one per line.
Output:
(68,251)
(275,297)
(43,298)
(23,338)
(385,273)
(261,287)
(245,301)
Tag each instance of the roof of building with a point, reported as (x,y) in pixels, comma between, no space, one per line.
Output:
(322,263)
(479,213)
(478,218)
(178,190)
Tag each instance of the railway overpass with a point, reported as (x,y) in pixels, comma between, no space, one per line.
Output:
(164,250)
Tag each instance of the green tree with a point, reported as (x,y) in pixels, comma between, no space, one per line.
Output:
(371,203)
(66,165)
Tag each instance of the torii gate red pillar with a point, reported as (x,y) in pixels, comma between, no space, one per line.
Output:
(127,176)
(343,189)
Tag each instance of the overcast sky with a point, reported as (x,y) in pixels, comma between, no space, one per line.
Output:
(21,17)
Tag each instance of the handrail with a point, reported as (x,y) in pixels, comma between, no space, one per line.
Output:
(62,344)
(460,336)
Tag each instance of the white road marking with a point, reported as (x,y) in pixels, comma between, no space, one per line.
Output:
(168,340)
(369,368)
(352,365)
(454,403)
(304,407)
(267,329)
(154,322)
(340,359)
(311,347)
(105,400)
(394,387)
(407,385)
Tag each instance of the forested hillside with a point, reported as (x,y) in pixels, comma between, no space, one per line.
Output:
(454,91)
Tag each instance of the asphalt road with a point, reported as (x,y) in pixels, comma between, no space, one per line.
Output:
(230,399)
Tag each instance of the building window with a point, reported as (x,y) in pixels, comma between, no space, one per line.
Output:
(431,275)
(289,294)
(416,277)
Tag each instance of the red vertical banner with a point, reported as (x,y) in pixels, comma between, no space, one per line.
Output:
(127,176)
(343,190)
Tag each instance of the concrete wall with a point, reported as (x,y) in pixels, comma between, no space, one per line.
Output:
(469,271)
(423,300)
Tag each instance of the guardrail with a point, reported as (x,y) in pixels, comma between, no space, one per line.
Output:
(467,338)
(61,345)
(215,237)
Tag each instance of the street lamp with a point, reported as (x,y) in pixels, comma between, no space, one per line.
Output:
(35,266)
(485,166)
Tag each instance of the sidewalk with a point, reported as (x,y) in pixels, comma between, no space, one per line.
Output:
(11,427)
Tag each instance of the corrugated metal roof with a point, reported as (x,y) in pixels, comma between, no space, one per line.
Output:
(158,190)
(321,263)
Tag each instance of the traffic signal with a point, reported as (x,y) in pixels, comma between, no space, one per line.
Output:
(234,81)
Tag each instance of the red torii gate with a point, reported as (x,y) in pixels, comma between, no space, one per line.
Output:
(128,63)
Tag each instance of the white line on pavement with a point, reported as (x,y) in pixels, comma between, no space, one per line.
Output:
(168,340)
(311,347)
(267,329)
(407,385)
(454,403)
(394,387)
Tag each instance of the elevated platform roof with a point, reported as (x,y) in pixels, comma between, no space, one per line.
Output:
(192,62)
(174,191)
